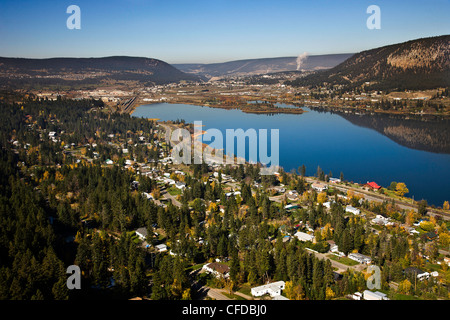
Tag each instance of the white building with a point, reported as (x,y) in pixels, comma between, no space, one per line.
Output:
(303,236)
(369,295)
(218,269)
(180,185)
(335,180)
(357,296)
(360,258)
(353,210)
(273,289)
(319,186)
(161,247)
(142,233)
(380,220)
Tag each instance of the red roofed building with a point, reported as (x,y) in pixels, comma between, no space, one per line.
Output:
(373,185)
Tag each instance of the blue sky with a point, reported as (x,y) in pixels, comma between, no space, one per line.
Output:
(212,31)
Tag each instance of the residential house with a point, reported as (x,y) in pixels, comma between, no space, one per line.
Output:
(180,185)
(273,289)
(373,185)
(357,296)
(447,260)
(302,236)
(369,295)
(353,210)
(335,180)
(333,246)
(360,258)
(218,269)
(142,233)
(161,247)
(319,187)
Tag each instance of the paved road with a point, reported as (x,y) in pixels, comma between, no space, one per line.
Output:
(175,202)
(216,294)
(380,198)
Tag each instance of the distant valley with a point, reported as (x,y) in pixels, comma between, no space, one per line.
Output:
(264,65)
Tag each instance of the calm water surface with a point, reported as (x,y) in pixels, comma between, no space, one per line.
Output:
(328,140)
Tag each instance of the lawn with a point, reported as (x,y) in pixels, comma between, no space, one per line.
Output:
(174,191)
(343,260)
(233,296)
(399,296)
(246,289)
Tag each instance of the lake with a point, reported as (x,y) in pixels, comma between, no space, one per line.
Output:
(365,148)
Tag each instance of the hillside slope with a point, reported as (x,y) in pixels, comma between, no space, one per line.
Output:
(416,64)
(71,71)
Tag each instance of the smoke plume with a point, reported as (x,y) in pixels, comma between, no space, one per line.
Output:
(301,59)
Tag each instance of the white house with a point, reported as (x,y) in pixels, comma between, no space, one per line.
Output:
(273,289)
(369,295)
(380,220)
(319,186)
(161,247)
(360,258)
(303,236)
(353,210)
(142,233)
(335,180)
(218,269)
(333,246)
(147,195)
(357,296)
(180,185)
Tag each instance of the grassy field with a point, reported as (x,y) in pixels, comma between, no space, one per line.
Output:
(174,191)
(245,289)
(343,260)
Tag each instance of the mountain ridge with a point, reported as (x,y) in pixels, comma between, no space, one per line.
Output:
(415,64)
(69,71)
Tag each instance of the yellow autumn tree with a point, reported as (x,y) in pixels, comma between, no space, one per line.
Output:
(186,294)
(329,293)
(213,207)
(59,176)
(327,231)
(405,286)
(46,175)
(446,205)
(410,218)
(321,197)
(444,239)
(156,193)
(427,225)
(401,189)
(289,290)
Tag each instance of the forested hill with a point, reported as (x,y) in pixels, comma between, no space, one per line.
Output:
(71,71)
(416,64)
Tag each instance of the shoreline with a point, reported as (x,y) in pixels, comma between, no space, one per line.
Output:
(300,110)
